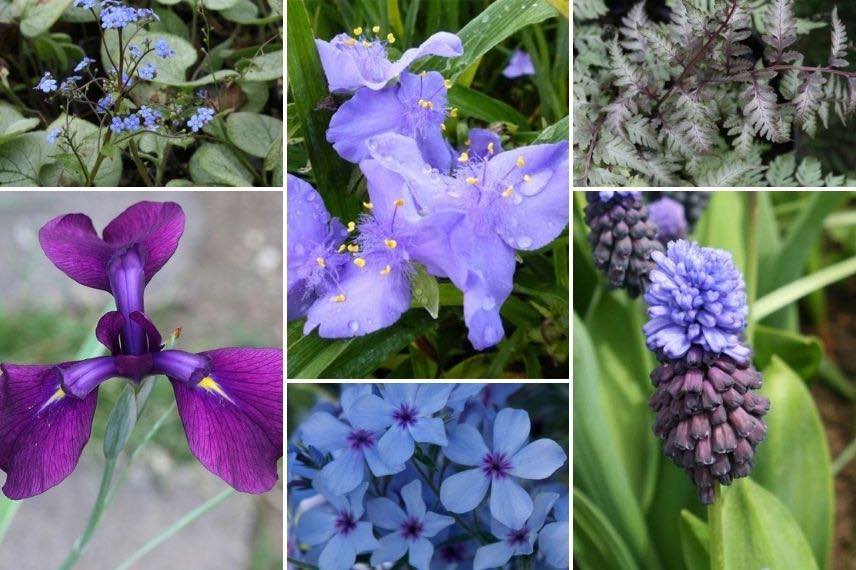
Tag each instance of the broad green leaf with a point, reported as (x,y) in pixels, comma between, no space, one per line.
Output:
(800,352)
(21,159)
(242,12)
(257,97)
(216,165)
(675,493)
(13,123)
(171,71)
(426,291)
(597,545)
(758,531)
(219,4)
(722,225)
(273,162)
(263,67)
(475,104)
(796,445)
(38,16)
(554,133)
(695,541)
(253,133)
(86,136)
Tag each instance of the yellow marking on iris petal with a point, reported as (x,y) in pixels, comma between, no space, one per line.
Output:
(527,178)
(447,83)
(464,157)
(390,243)
(350,42)
(368,205)
(360,262)
(358,31)
(520,161)
(376,29)
(453,112)
(342,248)
(351,226)
(508,192)
(490,148)
(353,248)
(340,298)
(390,38)
(472,180)
(320,261)
(385,271)
(56,397)
(210,385)
(398,202)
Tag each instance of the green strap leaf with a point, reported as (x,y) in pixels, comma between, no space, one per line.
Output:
(597,545)
(695,541)
(475,104)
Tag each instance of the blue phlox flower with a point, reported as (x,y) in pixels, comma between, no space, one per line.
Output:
(519,64)
(350,63)
(414,107)
(483,407)
(163,49)
(340,527)
(85,4)
(135,51)
(455,550)
(408,412)
(46,84)
(84,63)
(314,264)
(696,296)
(411,528)
(117,125)
(498,467)
(461,394)
(553,538)
(202,117)
(147,71)
(53,134)
(515,200)
(517,540)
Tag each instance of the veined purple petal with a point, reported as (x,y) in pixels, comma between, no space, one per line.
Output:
(182,366)
(71,243)
(233,416)
(42,429)
(109,329)
(80,378)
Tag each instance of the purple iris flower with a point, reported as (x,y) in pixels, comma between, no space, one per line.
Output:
(515,541)
(229,399)
(514,200)
(314,264)
(411,528)
(350,63)
(407,410)
(498,467)
(374,289)
(414,107)
(340,528)
(519,64)
(553,538)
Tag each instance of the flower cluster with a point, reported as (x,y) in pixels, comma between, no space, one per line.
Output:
(200,118)
(460,215)
(707,410)
(405,469)
(693,201)
(229,399)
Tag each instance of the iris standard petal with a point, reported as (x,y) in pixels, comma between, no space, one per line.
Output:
(385,514)
(233,416)
(554,544)
(431,398)
(510,430)
(396,445)
(370,413)
(411,494)
(510,504)
(392,547)
(342,474)
(324,432)
(421,551)
(42,430)
(538,460)
(366,114)
(492,556)
(429,430)
(338,554)
(434,523)
(466,446)
(71,243)
(315,526)
(463,491)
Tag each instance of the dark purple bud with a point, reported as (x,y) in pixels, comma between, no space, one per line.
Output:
(724,439)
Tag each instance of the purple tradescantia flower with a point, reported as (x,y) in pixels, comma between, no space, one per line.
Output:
(483,144)
(340,528)
(668,216)
(350,63)
(696,296)
(414,107)
(411,528)
(497,467)
(515,200)
(519,64)
(314,264)
(516,541)
(553,538)
(407,409)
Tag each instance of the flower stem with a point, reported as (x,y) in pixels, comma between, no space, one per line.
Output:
(714,520)
(752,255)
(141,168)
(844,458)
(94,516)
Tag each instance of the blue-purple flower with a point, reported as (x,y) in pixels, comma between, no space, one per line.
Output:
(53,135)
(135,51)
(163,49)
(84,63)
(411,528)
(46,84)
(148,72)
(115,15)
(668,215)
(497,467)
(553,538)
(202,117)
(350,63)
(105,103)
(85,4)
(696,297)
(515,541)
(519,64)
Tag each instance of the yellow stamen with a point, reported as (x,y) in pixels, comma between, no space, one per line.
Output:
(423,73)
(464,157)
(340,298)
(490,148)
(358,31)
(376,29)
(398,202)
(320,261)
(368,205)
(447,83)
(350,42)
(210,385)
(471,180)
(385,270)
(390,243)
(353,248)
(507,192)
(341,248)
(453,112)
(520,162)
(390,38)
(351,226)
(527,178)
(360,262)
(442,126)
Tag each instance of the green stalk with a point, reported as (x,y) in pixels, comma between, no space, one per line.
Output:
(842,460)
(141,168)
(714,520)
(751,256)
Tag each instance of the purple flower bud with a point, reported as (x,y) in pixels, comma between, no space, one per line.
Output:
(84,63)
(519,64)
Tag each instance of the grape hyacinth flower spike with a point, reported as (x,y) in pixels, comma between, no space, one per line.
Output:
(621,238)
(694,203)
(229,399)
(668,216)
(707,409)
(517,541)
(519,65)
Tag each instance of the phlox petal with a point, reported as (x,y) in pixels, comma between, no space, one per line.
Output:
(466,446)
(315,526)
(396,445)
(509,503)
(431,398)
(429,430)
(492,556)
(385,514)
(538,460)
(542,504)
(343,474)
(510,430)
(363,538)
(463,491)
(434,523)
(370,413)
(421,552)
(378,466)
(338,554)
(553,542)
(411,494)
(392,547)
(323,431)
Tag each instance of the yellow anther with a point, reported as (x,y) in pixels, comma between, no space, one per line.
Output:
(368,205)
(366,43)
(359,262)
(490,148)
(376,29)
(442,126)
(351,226)
(471,180)
(453,112)
(507,192)
(353,248)
(358,31)
(398,202)
(351,42)
(527,178)
(341,248)
(423,73)
(464,157)
(320,261)
(422,103)
(520,162)
(385,270)
(390,243)
(340,298)
(447,83)
(390,38)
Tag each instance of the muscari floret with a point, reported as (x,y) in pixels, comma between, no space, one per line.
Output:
(621,237)
(707,410)
(668,215)
(694,203)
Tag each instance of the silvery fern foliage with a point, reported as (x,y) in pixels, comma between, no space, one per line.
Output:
(689,102)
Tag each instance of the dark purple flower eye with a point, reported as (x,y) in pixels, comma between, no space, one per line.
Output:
(411,529)
(345,523)
(518,537)
(360,439)
(406,415)
(496,465)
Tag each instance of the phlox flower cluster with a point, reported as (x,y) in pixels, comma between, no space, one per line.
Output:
(461,214)
(437,474)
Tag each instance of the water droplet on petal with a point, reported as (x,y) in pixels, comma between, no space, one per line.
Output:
(354,326)
(488,303)
(524,241)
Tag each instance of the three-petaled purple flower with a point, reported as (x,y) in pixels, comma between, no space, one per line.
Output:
(411,528)
(515,541)
(519,64)
(497,467)
(229,399)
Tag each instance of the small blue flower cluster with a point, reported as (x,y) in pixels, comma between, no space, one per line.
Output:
(47,84)
(54,134)
(145,117)
(442,472)
(202,117)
